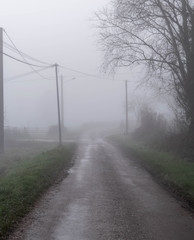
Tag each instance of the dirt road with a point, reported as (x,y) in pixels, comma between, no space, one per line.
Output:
(106,197)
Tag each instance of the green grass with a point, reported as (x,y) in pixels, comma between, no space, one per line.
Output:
(25,181)
(177,174)
(20,150)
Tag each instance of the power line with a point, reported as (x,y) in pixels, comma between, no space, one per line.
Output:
(21,53)
(37,60)
(80,72)
(30,65)
(16,59)
(34,59)
(46,63)
(26,74)
(7,45)
(94,76)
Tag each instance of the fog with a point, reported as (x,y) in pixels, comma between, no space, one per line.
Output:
(61,32)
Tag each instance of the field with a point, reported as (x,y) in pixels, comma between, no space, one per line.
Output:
(26,176)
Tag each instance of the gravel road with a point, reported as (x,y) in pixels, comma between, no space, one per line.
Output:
(106,197)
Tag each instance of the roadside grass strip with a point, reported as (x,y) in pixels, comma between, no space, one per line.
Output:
(168,168)
(24,183)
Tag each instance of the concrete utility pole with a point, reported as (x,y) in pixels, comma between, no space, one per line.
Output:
(62,107)
(58,104)
(62,110)
(126,96)
(1,95)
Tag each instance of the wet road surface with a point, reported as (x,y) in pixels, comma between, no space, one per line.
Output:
(106,197)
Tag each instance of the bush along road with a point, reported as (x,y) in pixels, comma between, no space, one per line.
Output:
(26,181)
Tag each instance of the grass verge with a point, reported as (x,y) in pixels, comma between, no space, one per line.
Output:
(176,174)
(18,151)
(24,183)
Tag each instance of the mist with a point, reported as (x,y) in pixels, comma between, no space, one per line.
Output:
(63,33)
(96,119)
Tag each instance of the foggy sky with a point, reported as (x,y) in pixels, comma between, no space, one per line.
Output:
(58,32)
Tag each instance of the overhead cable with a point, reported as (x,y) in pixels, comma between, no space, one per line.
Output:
(16,59)
(76,71)
(62,66)
(7,45)
(25,74)
(30,65)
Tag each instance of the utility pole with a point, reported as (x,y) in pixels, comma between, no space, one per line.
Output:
(1,95)
(62,107)
(58,104)
(126,105)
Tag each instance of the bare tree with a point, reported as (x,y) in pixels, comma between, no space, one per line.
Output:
(159,34)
